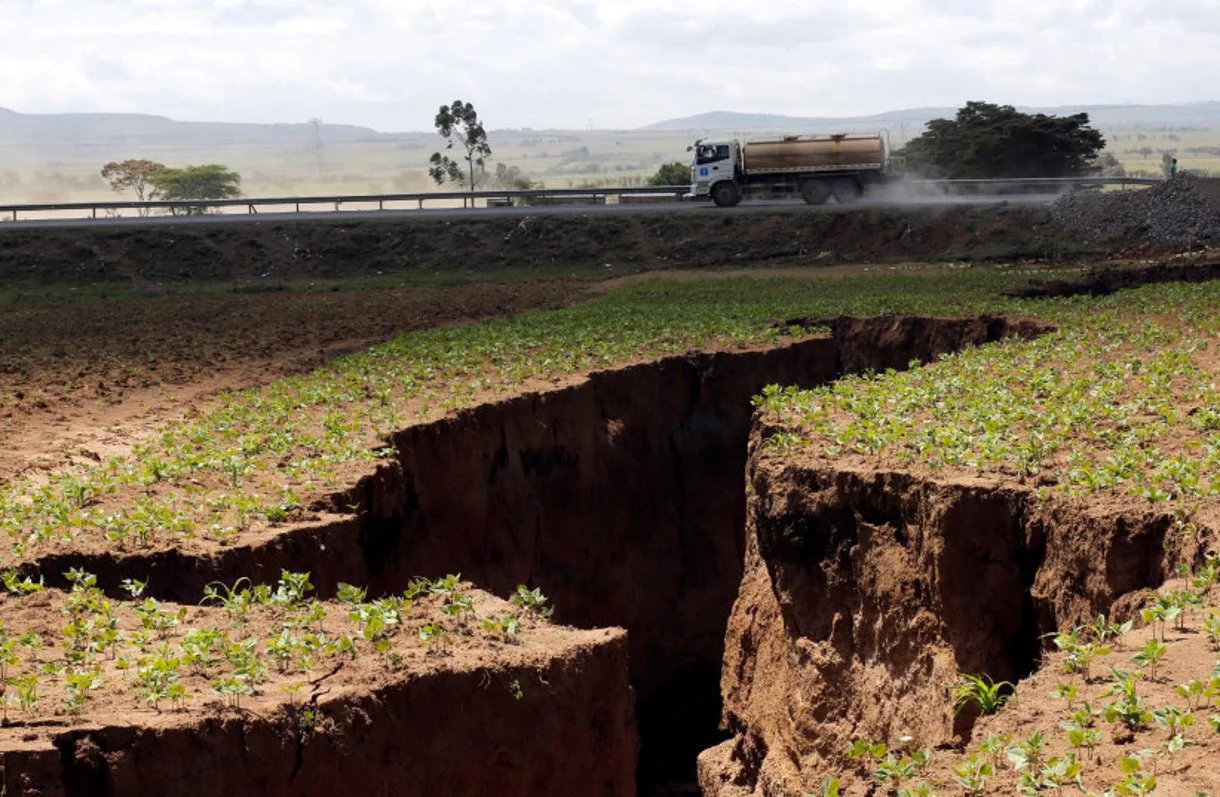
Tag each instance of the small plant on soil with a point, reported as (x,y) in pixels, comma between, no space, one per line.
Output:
(15,584)
(79,684)
(1067,693)
(864,752)
(1151,655)
(831,787)
(1127,707)
(973,773)
(1027,755)
(1079,655)
(1195,692)
(1102,629)
(1212,626)
(532,601)
(1163,611)
(435,637)
(1135,782)
(235,599)
(994,747)
(506,625)
(981,691)
(1174,720)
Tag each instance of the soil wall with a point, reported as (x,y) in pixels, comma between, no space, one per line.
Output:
(867,592)
(452,731)
(622,498)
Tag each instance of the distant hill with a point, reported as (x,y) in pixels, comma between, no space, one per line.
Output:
(143,132)
(1125,117)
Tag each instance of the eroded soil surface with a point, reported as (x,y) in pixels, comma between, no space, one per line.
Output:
(82,379)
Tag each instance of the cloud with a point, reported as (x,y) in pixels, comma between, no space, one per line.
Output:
(559,63)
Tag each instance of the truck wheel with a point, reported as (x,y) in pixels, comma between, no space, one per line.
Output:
(845,190)
(725,194)
(815,192)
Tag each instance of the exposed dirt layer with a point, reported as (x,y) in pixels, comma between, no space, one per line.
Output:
(444,719)
(277,252)
(81,379)
(622,496)
(1105,281)
(867,592)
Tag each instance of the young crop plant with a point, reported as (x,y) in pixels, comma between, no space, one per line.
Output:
(16,584)
(1127,707)
(1027,755)
(532,601)
(79,684)
(1151,655)
(972,775)
(506,625)
(994,746)
(235,599)
(435,637)
(864,751)
(1174,720)
(980,690)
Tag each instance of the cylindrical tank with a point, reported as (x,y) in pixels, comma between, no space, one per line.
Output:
(801,153)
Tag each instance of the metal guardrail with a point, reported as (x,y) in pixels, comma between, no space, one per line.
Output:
(252,204)
(541,195)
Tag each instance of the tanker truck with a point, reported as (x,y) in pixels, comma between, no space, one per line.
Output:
(814,168)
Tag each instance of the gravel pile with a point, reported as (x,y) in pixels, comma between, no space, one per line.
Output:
(1183,211)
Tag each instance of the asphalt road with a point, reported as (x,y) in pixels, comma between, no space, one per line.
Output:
(749,206)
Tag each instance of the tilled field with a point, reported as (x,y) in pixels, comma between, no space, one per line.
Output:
(589,453)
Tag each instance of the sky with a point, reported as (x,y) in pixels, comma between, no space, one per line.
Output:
(388,64)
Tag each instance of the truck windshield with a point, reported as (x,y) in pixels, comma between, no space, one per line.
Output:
(710,153)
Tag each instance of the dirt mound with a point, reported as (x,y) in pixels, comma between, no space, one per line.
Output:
(866,592)
(263,254)
(1184,211)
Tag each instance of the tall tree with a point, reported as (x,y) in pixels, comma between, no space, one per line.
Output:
(133,175)
(459,125)
(996,141)
(210,181)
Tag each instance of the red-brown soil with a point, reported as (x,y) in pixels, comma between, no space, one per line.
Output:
(620,495)
(866,592)
(441,718)
(82,379)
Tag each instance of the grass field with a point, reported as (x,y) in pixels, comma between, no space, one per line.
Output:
(558,159)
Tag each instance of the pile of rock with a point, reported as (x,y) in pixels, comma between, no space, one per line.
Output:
(1184,211)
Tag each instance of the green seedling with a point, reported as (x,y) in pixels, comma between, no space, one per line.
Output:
(973,773)
(981,691)
(1027,755)
(532,601)
(1151,655)
(1174,720)
(994,747)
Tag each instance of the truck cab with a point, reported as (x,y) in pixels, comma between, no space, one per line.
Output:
(714,171)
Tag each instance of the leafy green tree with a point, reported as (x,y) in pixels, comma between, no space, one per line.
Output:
(210,181)
(459,125)
(133,175)
(672,173)
(997,141)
